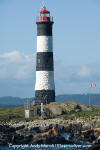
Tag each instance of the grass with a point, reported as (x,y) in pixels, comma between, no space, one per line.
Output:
(85,115)
(17,114)
(14,114)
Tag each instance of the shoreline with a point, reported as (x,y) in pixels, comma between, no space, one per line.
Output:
(71,123)
(49,131)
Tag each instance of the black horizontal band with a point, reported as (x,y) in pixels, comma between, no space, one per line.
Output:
(44,96)
(44,61)
(44,28)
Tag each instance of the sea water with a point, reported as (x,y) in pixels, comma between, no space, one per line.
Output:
(44,147)
(7,148)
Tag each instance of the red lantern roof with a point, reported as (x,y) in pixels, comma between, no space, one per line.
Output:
(44,11)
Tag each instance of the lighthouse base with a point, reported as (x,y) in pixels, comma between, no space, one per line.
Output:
(44,96)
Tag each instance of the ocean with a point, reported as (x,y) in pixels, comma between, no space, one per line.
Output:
(7,148)
(44,147)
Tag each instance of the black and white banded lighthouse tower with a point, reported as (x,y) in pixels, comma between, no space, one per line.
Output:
(44,87)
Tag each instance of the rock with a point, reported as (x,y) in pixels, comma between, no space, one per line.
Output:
(86,126)
(49,132)
(20,127)
(96,147)
(78,107)
(96,144)
(56,110)
(50,139)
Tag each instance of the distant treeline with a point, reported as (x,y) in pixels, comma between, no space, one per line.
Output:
(92,99)
(87,99)
(10,101)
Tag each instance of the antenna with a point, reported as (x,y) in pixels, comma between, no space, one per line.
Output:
(43,3)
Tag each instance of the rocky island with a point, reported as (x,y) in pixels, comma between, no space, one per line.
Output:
(64,123)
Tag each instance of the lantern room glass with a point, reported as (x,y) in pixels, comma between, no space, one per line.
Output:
(45,15)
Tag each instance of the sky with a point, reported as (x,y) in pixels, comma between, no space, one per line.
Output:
(76,45)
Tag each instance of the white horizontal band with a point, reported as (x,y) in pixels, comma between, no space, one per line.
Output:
(44,80)
(44,44)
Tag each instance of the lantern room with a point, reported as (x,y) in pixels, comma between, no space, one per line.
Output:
(44,14)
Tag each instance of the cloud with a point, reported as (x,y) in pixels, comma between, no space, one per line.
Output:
(17,75)
(84,71)
(17,66)
(77,78)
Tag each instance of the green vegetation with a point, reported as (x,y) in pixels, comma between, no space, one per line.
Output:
(17,114)
(94,112)
(68,110)
(14,114)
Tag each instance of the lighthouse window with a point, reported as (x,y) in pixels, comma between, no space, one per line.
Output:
(45,15)
(48,15)
(38,61)
(42,15)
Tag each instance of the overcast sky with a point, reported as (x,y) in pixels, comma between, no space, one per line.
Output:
(76,38)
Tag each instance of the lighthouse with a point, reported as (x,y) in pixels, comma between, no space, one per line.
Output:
(44,87)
